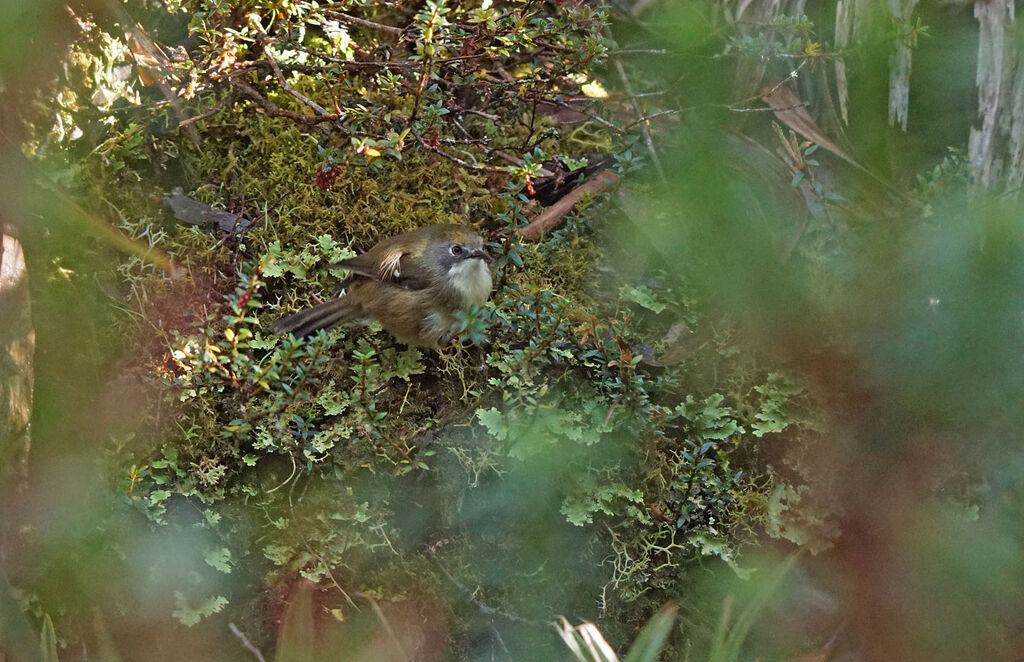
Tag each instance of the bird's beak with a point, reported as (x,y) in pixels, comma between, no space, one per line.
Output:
(480,254)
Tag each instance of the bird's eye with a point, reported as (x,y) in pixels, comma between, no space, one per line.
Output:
(456,249)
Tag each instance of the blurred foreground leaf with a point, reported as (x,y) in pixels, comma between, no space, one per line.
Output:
(588,644)
(48,641)
(652,638)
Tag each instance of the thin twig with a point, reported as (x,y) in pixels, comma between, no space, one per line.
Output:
(286,66)
(501,641)
(644,129)
(246,643)
(644,95)
(100,226)
(424,73)
(394,64)
(291,490)
(490,611)
(272,110)
(469,136)
(640,51)
(464,141)
(792,74)
(768,109)
(487,116)
(335,117)
(330,574)
(226,101)
(591,116)
(355,20)
(651,117)
(295,468)
(282,80)
(464,164)
(795,73)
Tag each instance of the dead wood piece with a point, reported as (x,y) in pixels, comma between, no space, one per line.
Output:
(553,215)
(557,180)
(194,212)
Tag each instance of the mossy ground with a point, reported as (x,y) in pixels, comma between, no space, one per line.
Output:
(553,467)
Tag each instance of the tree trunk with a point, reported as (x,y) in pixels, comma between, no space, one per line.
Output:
(17,345)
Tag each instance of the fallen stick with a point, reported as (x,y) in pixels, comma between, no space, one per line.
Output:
(553,215)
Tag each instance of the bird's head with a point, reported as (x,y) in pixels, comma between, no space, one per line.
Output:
(455,247)
(461,261)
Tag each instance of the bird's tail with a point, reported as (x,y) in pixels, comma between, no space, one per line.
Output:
(325,315)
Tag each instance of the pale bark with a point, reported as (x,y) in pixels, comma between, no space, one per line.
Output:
(997,59)
(899,67)
(17,346)
(844,10)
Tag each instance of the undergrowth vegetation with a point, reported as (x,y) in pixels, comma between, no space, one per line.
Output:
(552,423)
(593,435)
(743,311)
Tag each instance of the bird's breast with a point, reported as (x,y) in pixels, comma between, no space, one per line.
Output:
(471,279)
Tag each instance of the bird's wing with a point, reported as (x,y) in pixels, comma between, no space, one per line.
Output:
(388,266)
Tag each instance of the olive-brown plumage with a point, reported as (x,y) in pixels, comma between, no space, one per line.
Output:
(412,283)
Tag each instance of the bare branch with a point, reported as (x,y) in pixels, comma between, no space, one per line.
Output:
(379,613)
(272,110)
(464,164)
(651,117)
(765,110)
(288,88)
(590,116)
(223,103)
(280,76)
(640,51)
(354,20)
(480,113)
(471,596)
(246,643)
(644,129)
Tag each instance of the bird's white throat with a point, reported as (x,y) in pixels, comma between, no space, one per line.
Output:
(471,279)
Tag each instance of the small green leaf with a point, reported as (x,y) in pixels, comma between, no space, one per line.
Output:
(219,559)
(643,296)
(188,615)
(494,421)
(158,496)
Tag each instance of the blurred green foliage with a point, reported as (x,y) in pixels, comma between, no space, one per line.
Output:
(752,346)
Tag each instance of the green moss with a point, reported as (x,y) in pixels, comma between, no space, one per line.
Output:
(556,447)
(559,381)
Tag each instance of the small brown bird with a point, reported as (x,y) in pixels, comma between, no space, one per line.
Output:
(412,283)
